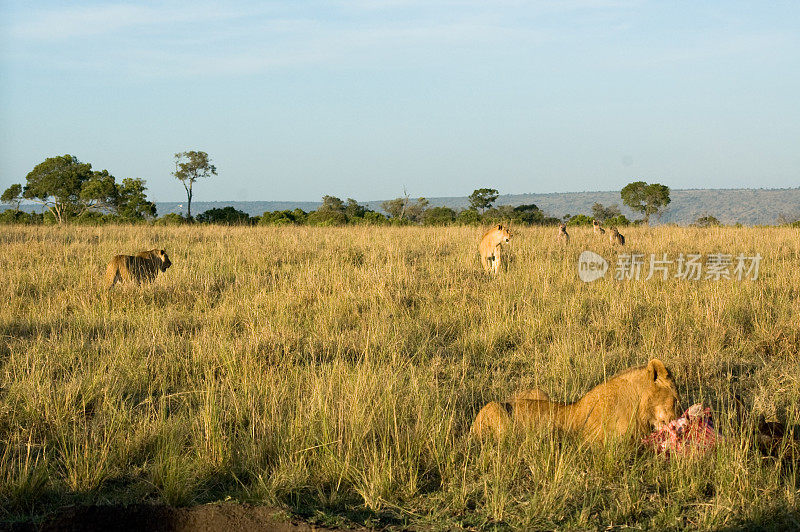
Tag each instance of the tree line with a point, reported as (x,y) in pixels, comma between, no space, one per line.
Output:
(73,192)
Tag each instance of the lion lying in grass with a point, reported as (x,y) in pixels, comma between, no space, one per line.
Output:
(142,267)
(630,405)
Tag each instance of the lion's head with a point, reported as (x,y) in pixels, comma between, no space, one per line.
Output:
(504,233)
(659,401)
(165,262)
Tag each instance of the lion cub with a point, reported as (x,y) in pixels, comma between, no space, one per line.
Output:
(598,229)
(615,237)
(630,404)
(563,236)
(142,267)
(490,245)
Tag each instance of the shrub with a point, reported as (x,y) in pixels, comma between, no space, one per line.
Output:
(468,217)
(706,221)
(617,221)
(281,218)
(12,216)
(580,220)
(172,218)
(326,218)
(438,216)
(224,216)
(371,218)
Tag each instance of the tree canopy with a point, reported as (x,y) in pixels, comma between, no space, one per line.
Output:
(71,189)
(13,196)
(189,167)
(132,203)
(403,209)
(57,183)
(225,216)
(646,199)
(601,213)
(482,198)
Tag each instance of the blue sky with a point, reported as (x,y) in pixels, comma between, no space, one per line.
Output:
(296,99)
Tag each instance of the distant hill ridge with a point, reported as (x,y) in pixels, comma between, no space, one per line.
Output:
(730,206)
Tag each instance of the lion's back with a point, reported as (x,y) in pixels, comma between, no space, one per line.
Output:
(139,267)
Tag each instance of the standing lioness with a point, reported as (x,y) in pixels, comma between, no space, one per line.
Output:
(490,245)
(142,267)
(631,404)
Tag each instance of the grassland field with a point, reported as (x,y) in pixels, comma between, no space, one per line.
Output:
(334,373)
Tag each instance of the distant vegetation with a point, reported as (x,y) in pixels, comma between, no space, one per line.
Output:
(71,192)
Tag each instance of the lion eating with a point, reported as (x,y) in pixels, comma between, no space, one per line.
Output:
(629,405)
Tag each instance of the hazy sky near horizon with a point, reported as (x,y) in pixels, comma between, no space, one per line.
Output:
(355,98)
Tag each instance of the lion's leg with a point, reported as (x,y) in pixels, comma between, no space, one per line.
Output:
(485,262)
(492,419)
(496,263)
(112,276)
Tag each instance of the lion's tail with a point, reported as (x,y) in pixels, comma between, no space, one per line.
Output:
(112,274)
(494,418)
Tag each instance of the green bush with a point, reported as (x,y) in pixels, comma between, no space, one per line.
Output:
(93,218)
(580,220)
(438,216)
(224,216)
(370,218)
(617,221)
(172,218)
(706,221)
(468,217)
(326,218)
(12,216)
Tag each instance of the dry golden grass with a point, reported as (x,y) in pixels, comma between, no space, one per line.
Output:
(335,372)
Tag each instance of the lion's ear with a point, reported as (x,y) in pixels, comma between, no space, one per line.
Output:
(500,226)
(657,370)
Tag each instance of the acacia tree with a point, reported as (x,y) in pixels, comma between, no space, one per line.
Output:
(646,199)
(132,203)
(189,167)
(482,198)
(601,213)
(394,208)
(13,196)
(66,186)
(99,192)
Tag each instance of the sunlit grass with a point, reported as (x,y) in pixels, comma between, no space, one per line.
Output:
(335,372)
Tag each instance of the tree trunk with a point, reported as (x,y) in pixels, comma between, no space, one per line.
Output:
(188,199)
(56,213)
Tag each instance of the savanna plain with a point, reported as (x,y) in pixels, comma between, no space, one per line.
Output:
(334,373)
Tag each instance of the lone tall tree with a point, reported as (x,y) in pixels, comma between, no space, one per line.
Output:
(482,198)
(189,167)
(645,199)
